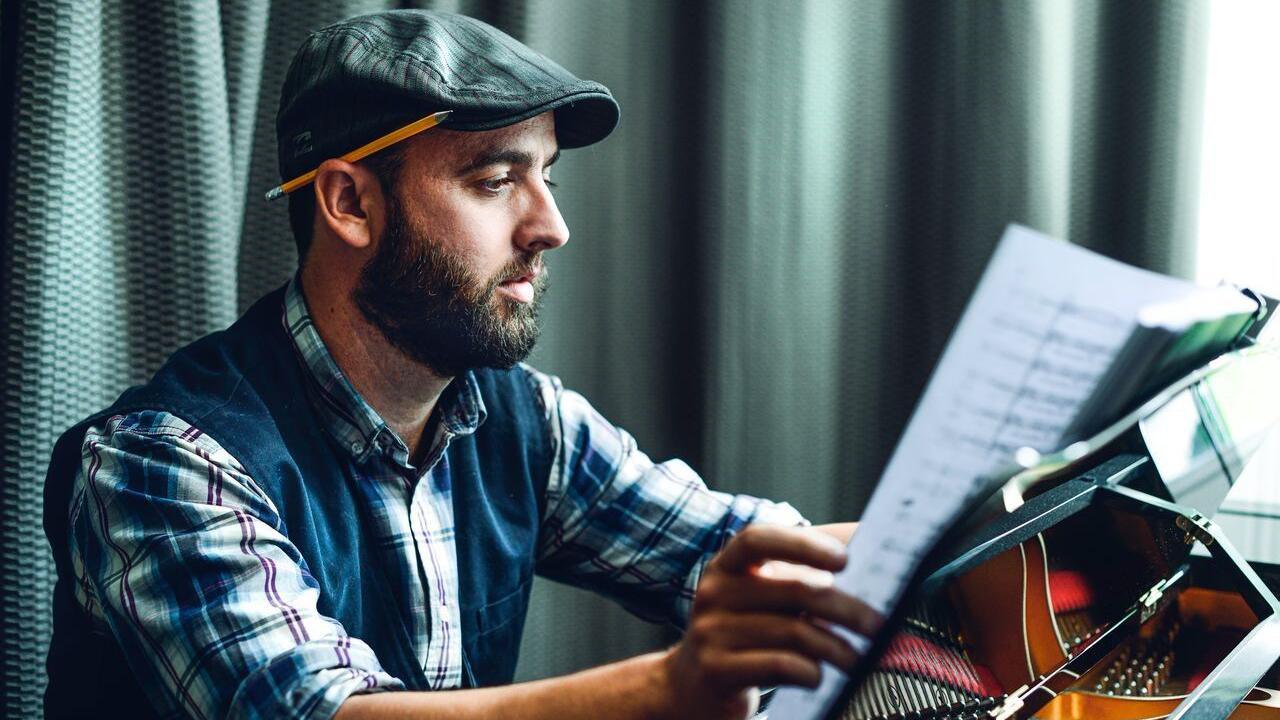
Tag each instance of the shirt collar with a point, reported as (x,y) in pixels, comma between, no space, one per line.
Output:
(357,427)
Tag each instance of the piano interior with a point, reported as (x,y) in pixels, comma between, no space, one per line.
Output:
(1071,611)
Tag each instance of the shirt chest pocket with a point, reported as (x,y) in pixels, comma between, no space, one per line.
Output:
(493,645)
(502,611)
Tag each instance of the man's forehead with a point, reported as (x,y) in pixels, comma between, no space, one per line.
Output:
(535,136)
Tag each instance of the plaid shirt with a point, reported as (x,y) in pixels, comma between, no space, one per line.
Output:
(157,498)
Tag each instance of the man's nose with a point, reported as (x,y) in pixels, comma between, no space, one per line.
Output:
(544,228)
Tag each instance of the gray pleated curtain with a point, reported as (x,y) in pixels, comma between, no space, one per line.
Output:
(767,256)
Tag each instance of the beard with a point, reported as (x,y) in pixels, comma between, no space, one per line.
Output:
(428,303)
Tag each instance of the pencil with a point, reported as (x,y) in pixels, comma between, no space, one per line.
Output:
(365,150)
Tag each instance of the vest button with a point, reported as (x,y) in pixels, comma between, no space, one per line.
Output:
(357,447)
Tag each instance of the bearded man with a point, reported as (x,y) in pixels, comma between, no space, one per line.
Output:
(348,491)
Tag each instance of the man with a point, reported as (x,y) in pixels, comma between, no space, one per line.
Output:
(348,490)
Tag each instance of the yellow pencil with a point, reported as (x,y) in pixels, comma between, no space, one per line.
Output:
(365,150)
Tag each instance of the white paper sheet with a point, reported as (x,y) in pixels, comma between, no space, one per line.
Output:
(1045,322)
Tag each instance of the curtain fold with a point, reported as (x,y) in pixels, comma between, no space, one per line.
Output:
(767,256)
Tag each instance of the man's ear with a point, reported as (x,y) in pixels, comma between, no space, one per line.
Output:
(348,201)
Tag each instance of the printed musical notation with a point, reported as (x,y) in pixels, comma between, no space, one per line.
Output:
(1042,327)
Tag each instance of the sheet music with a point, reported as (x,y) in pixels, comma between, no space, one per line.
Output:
(1043,325)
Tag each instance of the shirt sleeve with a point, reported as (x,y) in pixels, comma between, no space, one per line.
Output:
(620,524)
(179,555)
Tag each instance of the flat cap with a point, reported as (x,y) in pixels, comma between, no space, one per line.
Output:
(366,76)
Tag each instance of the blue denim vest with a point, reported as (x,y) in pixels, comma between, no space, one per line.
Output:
(244,387)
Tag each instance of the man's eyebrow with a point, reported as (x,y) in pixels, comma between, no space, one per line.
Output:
(504,156)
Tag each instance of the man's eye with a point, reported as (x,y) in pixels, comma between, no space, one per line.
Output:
(547,181)
(495,185)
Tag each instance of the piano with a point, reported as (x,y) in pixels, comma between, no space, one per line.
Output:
(1097,584)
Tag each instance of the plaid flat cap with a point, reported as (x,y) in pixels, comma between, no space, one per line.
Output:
(361,78)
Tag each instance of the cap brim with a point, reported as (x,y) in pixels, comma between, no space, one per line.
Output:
(584,116)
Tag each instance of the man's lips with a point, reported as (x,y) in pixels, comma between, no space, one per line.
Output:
(520,287)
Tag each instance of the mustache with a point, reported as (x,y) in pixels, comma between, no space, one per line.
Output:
(531,264)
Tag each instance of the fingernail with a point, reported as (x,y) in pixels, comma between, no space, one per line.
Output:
(840,553)
(820,578)
(835,545)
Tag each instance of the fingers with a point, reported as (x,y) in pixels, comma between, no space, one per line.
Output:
(762,631)
(755,594)
(756,668)
(779,570)
(757,544)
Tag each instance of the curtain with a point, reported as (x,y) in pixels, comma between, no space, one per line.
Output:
(767,256)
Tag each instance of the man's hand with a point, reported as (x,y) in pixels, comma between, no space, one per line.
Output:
(760,617)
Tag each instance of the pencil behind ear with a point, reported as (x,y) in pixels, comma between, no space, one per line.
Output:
(360,153)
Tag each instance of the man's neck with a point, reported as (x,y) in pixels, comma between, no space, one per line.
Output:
(402,391)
